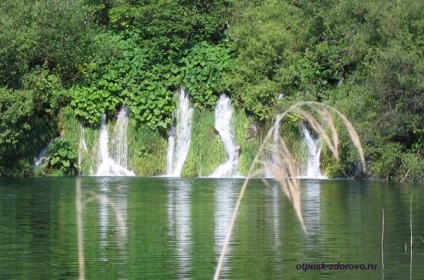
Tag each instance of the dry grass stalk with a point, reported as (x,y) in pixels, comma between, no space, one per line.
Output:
(317,127)
(283,165)
(121,226)
(327,114)
(79,205)
(411,244)
(284,171)
(382,245)
(80,230)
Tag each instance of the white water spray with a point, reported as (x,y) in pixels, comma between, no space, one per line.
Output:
(313,165)
(116,166)
(223,114)
(274,147)
(82,147)
(179,136)
(42,155)
(119,142)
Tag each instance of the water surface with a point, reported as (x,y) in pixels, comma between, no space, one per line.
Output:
(164,228)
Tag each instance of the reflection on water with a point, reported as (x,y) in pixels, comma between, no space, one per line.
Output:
(103,214)
(163,228)
(311,206)
(312,213)
(276,218)
(180,200)
(179,221)
(225,200)
(113,213)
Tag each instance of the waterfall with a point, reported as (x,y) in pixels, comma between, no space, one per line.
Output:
(82,148)
(119,142)
(313,154)
(223,114)
(42,155)
(274,145)
(116,166)
(179,136)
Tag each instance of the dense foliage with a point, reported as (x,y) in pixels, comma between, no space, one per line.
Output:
(364,57)
(62,158)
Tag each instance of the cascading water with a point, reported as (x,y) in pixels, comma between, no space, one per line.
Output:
(179,136)
(223,114)
(274,147)
(116,166)
(42,155)
(119,142)
(82,148)
(313,169)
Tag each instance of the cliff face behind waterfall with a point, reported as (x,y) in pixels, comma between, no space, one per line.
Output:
(63,64)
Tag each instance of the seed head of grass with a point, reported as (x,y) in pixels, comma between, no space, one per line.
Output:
(321,119)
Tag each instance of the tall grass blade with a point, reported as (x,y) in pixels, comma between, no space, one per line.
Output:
(80,230)
(283,166)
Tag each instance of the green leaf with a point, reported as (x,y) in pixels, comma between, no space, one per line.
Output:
(62,152)
(54,160)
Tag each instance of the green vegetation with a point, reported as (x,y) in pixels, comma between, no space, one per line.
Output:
(365,58)
(247,137)
(62,158)
(206,149)
(204,71)
(127,76)
(147,150)
(82,139)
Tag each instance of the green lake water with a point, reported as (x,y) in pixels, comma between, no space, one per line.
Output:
(162,228)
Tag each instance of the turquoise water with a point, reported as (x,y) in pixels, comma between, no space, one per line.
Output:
(162,228)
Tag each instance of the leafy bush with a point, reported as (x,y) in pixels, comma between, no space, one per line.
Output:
(131,76)
(128,77)
(15,128)
(412,168)
(204,70)
(62,158)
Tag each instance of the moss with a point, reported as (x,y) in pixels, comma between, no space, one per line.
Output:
(84,140)
(147,150)
(247,136)
(206,149)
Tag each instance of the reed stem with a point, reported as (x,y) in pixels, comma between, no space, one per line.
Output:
(80,230)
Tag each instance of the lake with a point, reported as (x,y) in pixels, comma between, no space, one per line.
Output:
(163,228)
